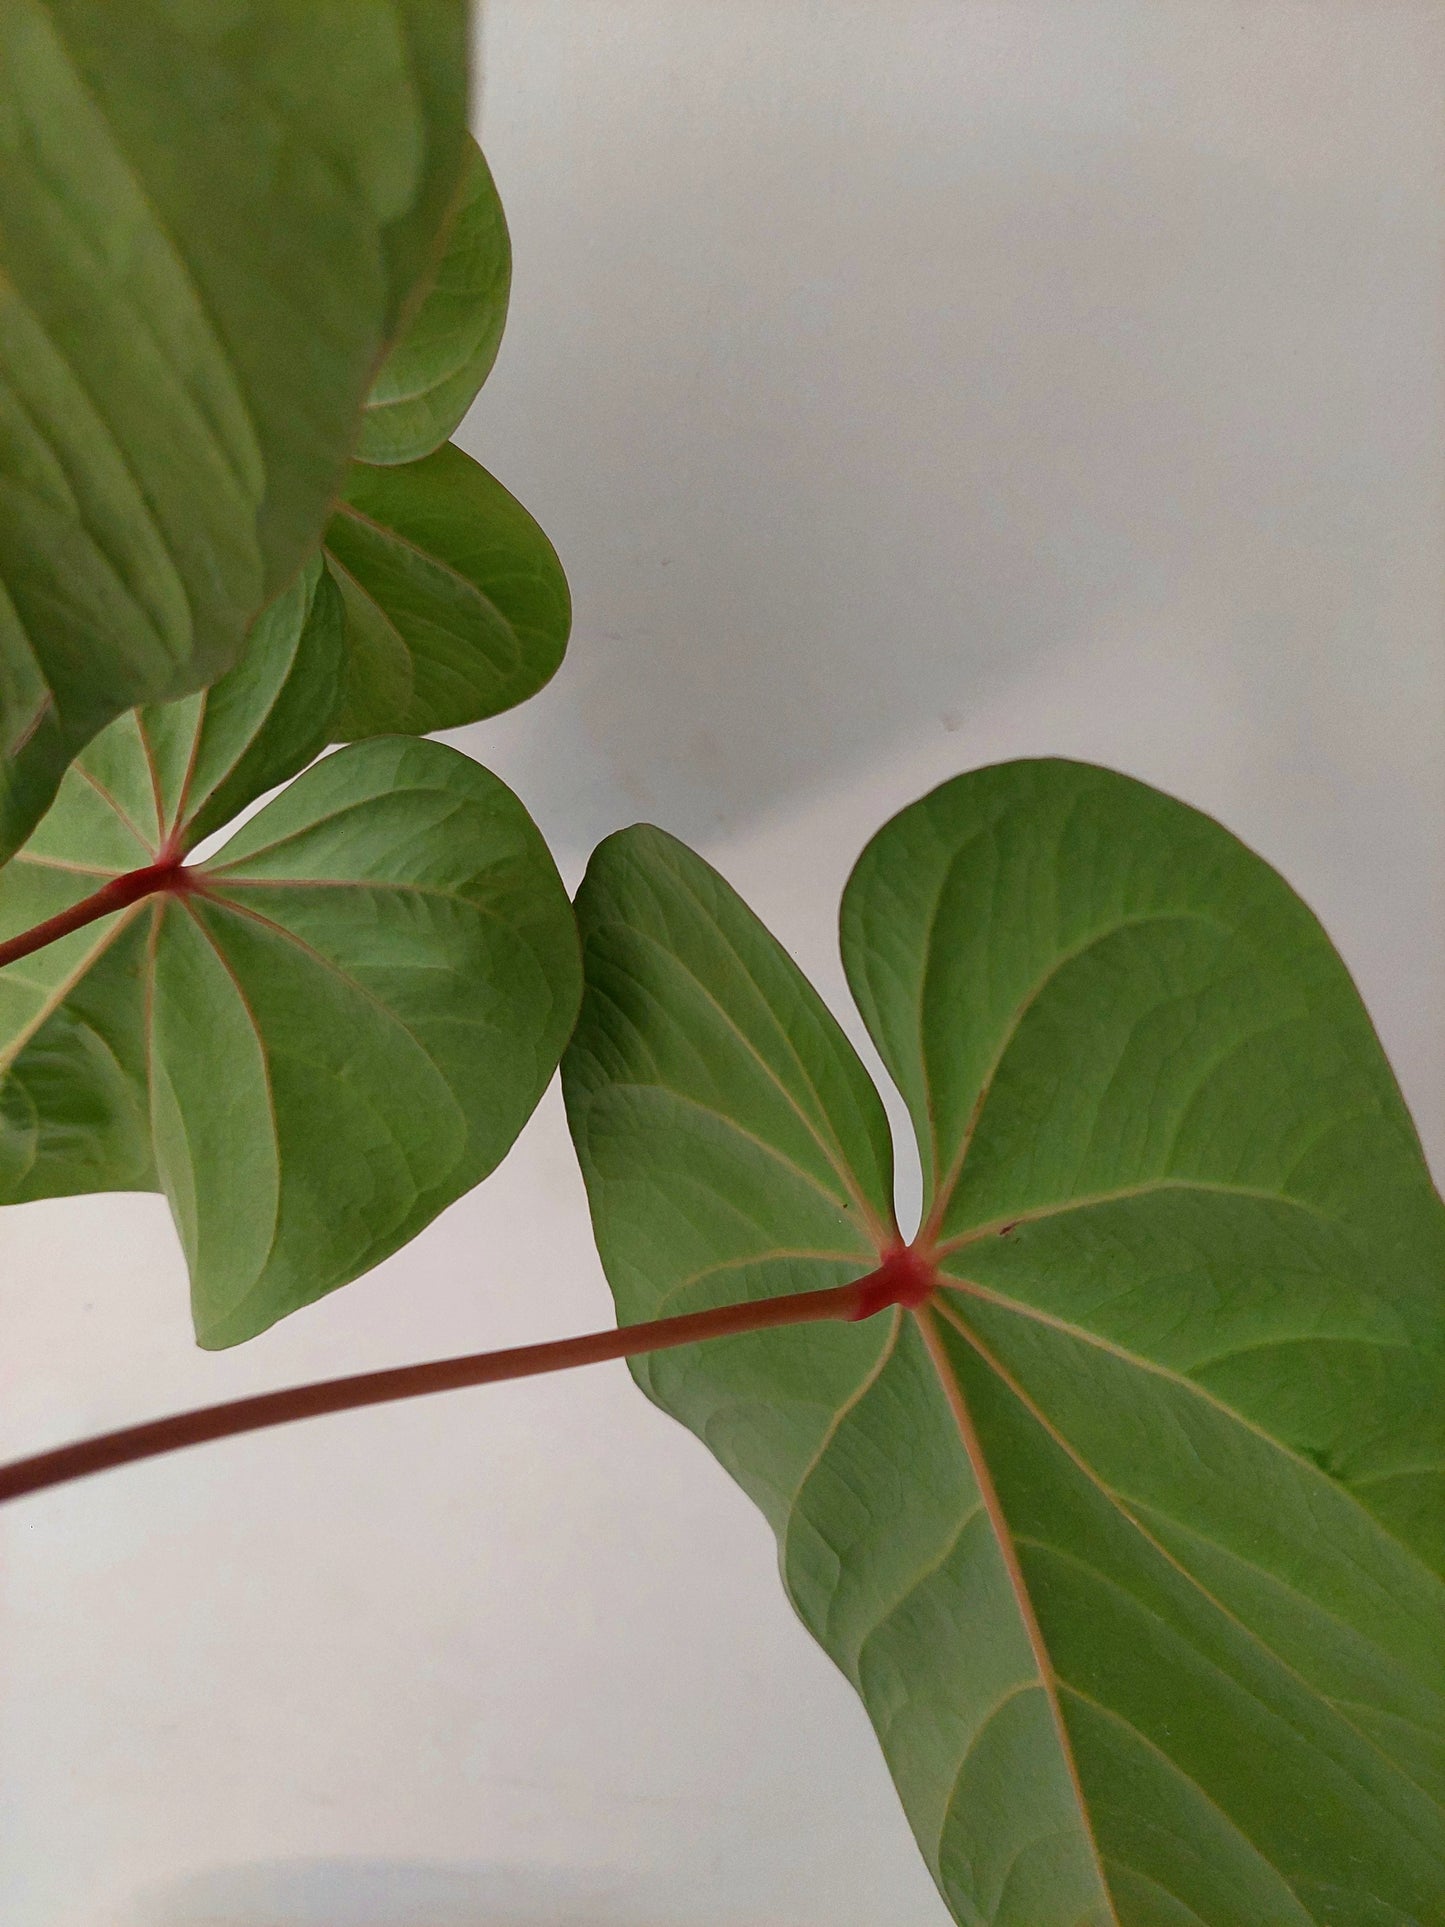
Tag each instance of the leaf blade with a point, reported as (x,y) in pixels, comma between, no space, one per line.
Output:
(432,375)
(1183,1664)
(397,924)
(334,1030)
(207,245)
(461,582)
(259,725)
(1142,972)
(72,1073)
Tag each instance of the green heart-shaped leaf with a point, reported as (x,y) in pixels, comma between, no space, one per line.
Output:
(214,220)
(456,604)
(336,1029)
(431,377)
(1131,1539)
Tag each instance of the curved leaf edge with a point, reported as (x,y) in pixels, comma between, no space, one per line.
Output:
(949,1309)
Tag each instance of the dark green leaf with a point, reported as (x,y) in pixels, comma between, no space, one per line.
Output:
(1131,1540)
(214,219)
(431,377)
(457,607)
(340,1030)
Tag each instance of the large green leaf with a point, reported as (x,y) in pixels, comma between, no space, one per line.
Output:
(456,604)
(335,1031)
(215,218)
(1130,1540)
(431,377)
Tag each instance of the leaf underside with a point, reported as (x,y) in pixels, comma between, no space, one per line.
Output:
(214,221)
(456,604)
(431,377)
(335,1034)
(1131,1540)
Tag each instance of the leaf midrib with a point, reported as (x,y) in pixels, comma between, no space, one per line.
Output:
(1153,1746)
(217,867)
(1053,1321)
(1023,1599)
(471,334)
(334,561)
(1048,1679)
(1126,1512)
(210,938)
(330,965)
(438,562)
(1089,1201)
(240,81)
(832,1151)
(839,1200)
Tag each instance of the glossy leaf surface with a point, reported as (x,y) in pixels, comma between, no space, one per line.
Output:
(1130,1541)
(214,221)
(456,604)
(431,377)
(341,1026)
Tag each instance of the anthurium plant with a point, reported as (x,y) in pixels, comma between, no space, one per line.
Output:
(1116,1486)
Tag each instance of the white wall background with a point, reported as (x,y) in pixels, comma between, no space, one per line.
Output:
(907,385)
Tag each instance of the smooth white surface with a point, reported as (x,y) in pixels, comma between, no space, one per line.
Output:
(906,386)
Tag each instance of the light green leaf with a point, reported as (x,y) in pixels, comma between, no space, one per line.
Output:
(208,756)
(73,1096)
(391,949)
(431,377)
(1131,1540)
(457,607)
(339,1028)
(215,217)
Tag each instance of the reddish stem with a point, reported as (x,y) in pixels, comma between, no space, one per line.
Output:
(905,1277)
(893,1283)
(117,894)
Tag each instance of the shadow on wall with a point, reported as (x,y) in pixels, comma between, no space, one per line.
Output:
(849,426)
(374,1893)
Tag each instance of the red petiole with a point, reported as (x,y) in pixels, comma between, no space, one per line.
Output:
(903,1278)
(119,893)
